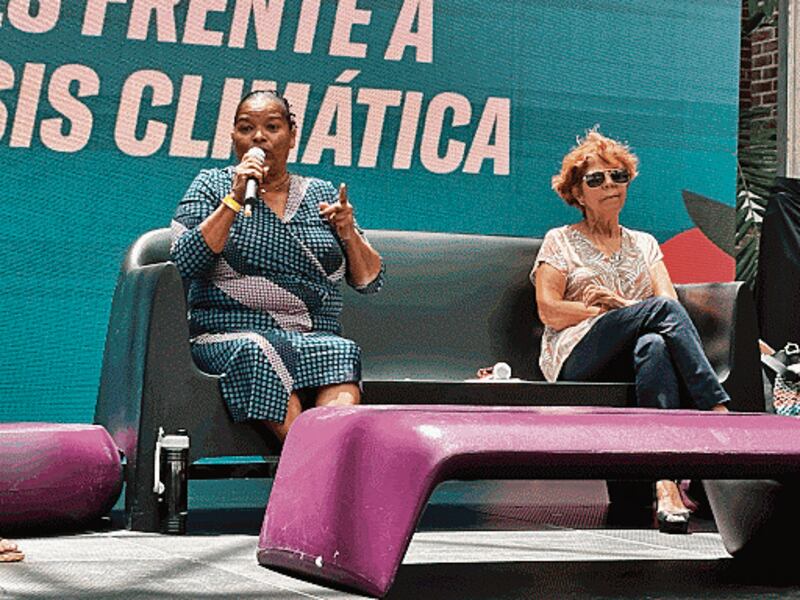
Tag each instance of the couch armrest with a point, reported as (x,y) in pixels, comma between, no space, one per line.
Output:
(149,380)
(725,317)
(146,363)
(148,300)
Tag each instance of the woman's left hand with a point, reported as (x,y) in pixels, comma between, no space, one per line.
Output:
(601,296)
(340,214)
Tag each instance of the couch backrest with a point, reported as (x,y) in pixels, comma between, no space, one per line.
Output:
(150,248)
(452,303)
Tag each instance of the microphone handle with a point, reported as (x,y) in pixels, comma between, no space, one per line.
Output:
(250,192)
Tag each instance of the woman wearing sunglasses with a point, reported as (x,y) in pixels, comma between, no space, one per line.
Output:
(608,305)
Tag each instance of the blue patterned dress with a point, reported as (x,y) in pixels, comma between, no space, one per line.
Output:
(265,312)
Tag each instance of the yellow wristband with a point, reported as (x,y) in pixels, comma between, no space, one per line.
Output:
(231,203)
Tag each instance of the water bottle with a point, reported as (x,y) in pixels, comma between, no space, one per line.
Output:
(174,465)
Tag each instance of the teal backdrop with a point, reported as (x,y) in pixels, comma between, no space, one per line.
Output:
(445,115)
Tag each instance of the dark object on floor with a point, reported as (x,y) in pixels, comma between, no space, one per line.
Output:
(778,277)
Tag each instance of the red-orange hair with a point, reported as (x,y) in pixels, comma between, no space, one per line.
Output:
(573,167)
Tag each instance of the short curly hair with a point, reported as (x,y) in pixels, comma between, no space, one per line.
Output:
(573,166)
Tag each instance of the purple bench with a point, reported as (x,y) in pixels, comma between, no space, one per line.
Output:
(56,475)
(352,482)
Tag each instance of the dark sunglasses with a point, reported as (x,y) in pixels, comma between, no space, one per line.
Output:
(597,178)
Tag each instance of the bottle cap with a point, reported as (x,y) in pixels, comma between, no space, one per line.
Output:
(175,442)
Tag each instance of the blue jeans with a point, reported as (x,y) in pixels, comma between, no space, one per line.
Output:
(655,343)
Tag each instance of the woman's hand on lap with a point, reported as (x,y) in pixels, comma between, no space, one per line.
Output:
(604,298)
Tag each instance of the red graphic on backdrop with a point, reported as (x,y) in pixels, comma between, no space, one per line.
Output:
(691,257)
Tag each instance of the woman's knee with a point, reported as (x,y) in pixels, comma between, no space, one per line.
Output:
(651,345)
(249,355)
(663,303)
(667,310)
(339,394)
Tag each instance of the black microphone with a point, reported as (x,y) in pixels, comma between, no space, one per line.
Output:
(251,188)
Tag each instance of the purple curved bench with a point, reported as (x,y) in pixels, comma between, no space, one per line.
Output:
(59,474)
(352,482)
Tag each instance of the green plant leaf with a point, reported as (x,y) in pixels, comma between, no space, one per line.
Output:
(757,159)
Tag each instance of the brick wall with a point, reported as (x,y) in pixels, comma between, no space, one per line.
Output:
(764,67)
(758,85)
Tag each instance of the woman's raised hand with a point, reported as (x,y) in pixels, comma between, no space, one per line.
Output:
(602,297)
(340,214)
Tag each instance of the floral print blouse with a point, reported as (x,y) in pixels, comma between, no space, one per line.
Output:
(627,271)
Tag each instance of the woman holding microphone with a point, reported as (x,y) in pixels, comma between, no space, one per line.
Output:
(264,297)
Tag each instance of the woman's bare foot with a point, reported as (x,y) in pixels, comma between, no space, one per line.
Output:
(668,496)
(720,408)
(9,552)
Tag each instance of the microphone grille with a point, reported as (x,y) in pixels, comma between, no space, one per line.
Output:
(256,152)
